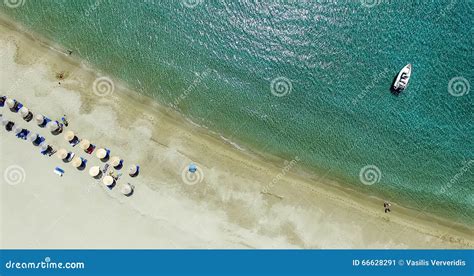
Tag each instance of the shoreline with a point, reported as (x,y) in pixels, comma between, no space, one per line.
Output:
(292,186)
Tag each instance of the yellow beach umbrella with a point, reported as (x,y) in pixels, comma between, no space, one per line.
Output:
(85,144)
(115,161)
(76,162)
(69,135)
(62,154)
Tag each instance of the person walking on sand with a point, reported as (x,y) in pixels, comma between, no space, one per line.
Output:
(386,206)
(64,119)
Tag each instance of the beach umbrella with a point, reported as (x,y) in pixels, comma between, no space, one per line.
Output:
(85,144)
(62,154)
(24,112)
(115,161)
(133,170)
(10,102)
(69,135)
(108,180)
(101,153)
(5,122)
(192,168)
(39,119)
(76,162)
(94,171)
(126,189)
(44,147)
(33,137)
(53,126)
(17,129)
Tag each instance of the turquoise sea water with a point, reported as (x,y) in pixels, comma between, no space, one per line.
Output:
(339,59)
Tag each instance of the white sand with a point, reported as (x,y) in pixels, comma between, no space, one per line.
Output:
(225,210)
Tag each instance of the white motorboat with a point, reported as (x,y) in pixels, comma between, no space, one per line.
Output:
(402,79)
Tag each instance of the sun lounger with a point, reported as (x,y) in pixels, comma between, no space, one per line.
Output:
(59,171)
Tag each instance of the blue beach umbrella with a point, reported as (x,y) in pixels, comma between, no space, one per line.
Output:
(192,168)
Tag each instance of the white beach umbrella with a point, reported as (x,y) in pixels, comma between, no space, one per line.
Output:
(101,153)
(69,135)
(33,137)
(94,171)
(62,154)
(39,119)
(115,161)
(126,189)
(133,169)
(17,129)
(10,102)
(24,112)
(108,180)
(76,162)
(85,144)
(53,126)
(44,146)
(5,122)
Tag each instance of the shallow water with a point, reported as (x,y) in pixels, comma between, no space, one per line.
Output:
(215,62)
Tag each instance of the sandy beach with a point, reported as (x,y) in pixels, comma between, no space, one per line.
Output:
(240,199)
